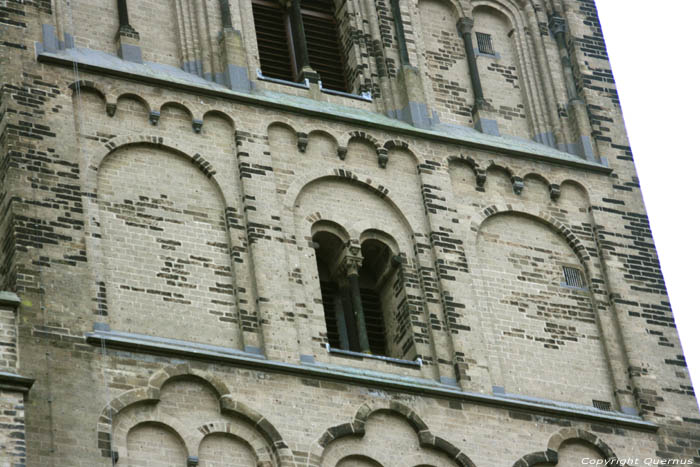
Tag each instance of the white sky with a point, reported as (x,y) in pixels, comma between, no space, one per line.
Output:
(653,47)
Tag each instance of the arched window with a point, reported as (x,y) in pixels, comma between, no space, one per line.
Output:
(300,41)
(362,294)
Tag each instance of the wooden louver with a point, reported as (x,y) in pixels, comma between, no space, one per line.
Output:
(278,58)
(329,290)
(374,320)
(322,39)
(273,45)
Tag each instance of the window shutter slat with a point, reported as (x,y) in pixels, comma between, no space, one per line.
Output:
(273,49)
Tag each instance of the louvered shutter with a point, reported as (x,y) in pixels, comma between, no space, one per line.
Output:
(374,320)
(329,290)
(273,45)
(323,44)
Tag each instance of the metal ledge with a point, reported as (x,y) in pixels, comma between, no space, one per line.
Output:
(360,355)
(9,299)
(360,377)
(171,77)
(16,383)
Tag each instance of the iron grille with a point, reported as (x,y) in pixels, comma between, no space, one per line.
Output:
(602,405)
(485,43)
(573,277)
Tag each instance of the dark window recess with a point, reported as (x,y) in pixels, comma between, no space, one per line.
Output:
(374,321)
(322,40)
(275,52)
(485,43)
(279,56)
(602,405)
(329,291)
(573,277)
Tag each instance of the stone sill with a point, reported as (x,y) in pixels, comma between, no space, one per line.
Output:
(420,386)
(360,355)
(9,299)
(92,61)
(16,383)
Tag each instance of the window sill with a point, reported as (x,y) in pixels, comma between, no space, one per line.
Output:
(284,82)
(572,287)
(365,96)
(182,350)
(349,353)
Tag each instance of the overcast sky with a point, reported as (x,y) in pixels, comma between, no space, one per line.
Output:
(653,47)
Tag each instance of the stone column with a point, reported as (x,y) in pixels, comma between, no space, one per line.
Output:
(484,116)
(13,387)
(411,103)
(233,53)
(301,50)
(577,107)
(460,341)
(350,265)
(127,38)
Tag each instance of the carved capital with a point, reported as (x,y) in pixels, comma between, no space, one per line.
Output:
(192,461)
(153,117)
(382,157)
(302,141)
(197,125)
(518,185)
(557,24)
(111,108)
(480,178)
(342,152)
(465,26)
(554,191)
(350,260)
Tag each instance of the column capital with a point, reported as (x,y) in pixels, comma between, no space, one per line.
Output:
(557,24)
(351,261)
(465,25)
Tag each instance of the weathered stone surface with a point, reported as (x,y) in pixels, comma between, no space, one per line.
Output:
(183,199)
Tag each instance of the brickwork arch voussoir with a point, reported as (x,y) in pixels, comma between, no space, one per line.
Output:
(551,455)
(357,428)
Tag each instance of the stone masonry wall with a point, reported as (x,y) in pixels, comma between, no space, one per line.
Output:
(158,232)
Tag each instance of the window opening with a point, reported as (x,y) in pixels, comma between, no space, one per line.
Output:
(485,43)
(602,405)
(283,53)
(274,44)
(573,277)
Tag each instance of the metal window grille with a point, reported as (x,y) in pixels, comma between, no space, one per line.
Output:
(602,405)
(573,277)
(485,43)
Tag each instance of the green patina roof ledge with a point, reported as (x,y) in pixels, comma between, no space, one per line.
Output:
(169,76)
(9,299)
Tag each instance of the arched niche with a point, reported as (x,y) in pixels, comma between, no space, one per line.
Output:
(358,461)
(175,117)
(152,444)
(334,216)
(541,325)
(501,72)
(165,247)
(133,111)
(402,446)
(447,80)
(225,450)
(573,451)
(322,145)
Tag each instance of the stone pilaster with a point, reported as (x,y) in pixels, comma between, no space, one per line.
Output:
(13,387)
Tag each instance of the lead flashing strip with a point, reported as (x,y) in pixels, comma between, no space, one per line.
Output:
(138,343)
(397,127)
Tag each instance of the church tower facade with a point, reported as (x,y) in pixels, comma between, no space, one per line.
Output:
(326,233)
